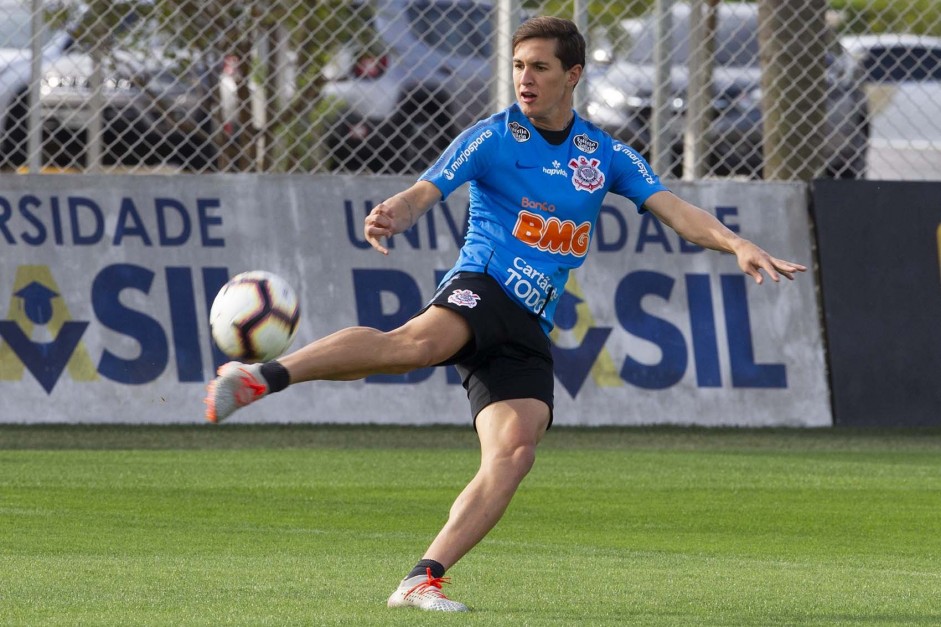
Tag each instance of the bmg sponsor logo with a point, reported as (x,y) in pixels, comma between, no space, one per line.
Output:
(553,235)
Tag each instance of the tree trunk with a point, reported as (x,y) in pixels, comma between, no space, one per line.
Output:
(699,89)
(793,41)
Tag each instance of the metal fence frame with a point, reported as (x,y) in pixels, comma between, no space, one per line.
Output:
(507,13)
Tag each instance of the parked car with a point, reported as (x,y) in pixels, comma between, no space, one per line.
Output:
(896,58)
(620,96)
(404,97)
(154,110)
(901,74)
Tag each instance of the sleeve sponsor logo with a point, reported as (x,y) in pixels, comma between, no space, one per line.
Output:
(466,154)
(636,160)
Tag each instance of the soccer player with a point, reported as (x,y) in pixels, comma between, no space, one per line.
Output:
(538,174)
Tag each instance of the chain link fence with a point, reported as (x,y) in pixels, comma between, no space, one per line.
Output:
(846,88)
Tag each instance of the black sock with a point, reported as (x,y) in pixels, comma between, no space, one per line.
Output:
(421,568)
(276,375)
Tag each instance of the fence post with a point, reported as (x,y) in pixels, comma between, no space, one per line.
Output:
(580,17)
(34,125)
(702,25)
(94,134)
(662,88)
(507,19)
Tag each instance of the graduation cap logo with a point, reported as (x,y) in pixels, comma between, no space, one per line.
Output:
(44,360)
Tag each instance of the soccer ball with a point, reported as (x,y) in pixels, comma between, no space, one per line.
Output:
(254,316)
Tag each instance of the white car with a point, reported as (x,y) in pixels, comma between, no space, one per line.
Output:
(16,54)
(425,77)
(620,96)
(151,113)
(902,80)
(897,58)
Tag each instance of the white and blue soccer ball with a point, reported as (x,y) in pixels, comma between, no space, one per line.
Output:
(254,316)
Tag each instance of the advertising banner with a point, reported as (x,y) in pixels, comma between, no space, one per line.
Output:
(108,280)
(880,251)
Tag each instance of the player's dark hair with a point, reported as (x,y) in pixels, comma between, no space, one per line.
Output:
(569,43)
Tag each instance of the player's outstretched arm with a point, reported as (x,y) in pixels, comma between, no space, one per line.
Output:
(399,213)
(702,228)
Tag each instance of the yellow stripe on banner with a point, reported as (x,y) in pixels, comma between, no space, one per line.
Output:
(603,372)
(80,365)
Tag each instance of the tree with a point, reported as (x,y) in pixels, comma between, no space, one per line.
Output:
(307,32)
(257,126)
(793,38)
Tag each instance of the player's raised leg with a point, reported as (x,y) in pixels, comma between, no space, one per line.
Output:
(357,352)
(352,353)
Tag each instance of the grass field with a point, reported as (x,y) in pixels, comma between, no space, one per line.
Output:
(315,525)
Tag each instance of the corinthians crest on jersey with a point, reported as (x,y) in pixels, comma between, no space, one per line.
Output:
(587,177)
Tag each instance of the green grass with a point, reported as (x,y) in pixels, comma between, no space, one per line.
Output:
(315,525)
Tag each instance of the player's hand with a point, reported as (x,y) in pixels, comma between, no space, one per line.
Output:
(389,217)
(752,260)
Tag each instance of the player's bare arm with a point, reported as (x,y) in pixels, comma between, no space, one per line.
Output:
(704,229)
(399,213)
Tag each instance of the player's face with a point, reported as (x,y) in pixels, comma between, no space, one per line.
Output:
(543,87)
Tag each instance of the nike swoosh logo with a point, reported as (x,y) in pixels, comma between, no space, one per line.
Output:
(525,166)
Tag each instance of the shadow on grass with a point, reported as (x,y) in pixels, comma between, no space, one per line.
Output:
(91,437)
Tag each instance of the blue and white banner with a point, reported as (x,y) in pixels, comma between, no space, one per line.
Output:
(108,282)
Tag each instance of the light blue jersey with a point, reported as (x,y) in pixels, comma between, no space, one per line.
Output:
(533,205)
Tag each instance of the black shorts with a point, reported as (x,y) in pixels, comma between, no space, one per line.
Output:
(509,356)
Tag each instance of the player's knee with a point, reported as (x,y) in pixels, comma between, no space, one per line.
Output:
(409,353)
(516,461)
(427,353)
(524,457)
